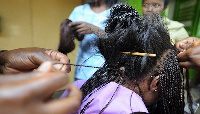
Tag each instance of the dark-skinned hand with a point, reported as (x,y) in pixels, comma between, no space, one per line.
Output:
(83,28)
(190,57)
(29,93)
(28,59)
(184,43)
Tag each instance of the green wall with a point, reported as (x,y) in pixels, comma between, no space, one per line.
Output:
(137,4)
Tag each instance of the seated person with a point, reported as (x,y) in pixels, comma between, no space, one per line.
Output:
(141,71)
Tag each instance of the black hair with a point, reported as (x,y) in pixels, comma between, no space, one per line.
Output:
(126,31)
(109,3)
(66,43)
(166,2)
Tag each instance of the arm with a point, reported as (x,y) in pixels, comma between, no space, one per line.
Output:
(85,28)
(32,94)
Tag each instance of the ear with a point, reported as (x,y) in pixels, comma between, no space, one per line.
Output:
(155,83)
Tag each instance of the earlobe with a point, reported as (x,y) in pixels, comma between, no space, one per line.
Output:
(155,83)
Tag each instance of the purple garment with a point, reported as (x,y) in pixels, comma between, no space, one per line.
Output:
(125,101)
(77,83)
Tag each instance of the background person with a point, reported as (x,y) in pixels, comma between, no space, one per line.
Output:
(88,19)
(142,83)
(176,29)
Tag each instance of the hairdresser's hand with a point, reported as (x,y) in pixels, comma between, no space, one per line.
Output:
(27,59)
(83,28)
(190,58)
(182,45)
(30,93)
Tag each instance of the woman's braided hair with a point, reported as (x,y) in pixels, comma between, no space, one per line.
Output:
(126,31)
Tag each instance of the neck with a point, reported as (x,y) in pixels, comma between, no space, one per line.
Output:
(99,6)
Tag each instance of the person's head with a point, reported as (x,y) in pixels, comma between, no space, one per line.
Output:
(109,3)
(155,76)
(127,32)
(155,6)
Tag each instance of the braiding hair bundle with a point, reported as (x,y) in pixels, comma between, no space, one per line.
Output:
(66,43)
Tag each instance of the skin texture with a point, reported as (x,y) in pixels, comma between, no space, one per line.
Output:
(155,6)
(190,54)
(30,92)
(28,59)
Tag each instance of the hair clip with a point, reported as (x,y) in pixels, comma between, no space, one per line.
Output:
(140,54)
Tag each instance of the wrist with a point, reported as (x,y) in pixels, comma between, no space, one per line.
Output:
(98,31)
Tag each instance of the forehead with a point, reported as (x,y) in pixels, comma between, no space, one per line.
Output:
(154,1)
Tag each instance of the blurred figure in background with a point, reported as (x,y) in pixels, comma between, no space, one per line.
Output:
(87,21)
(176,30)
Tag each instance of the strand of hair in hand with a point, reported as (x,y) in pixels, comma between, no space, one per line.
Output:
(120,69)
(77,65)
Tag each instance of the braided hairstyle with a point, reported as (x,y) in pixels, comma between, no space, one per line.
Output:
(126,31)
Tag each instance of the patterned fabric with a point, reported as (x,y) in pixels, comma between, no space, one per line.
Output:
(87,52)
